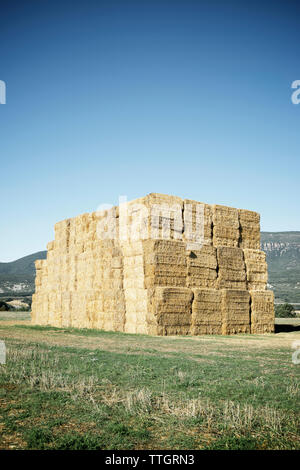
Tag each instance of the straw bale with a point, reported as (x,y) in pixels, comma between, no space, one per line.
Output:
(231,268)
(51,245)
(225,236)
(262,304)
(230,258)
(164,263)
(39,264)
(51,308)
(225,216)
(249,229)
(132,248)
(197,221)
(257,270)
(262,312)
(171,310)
(225,226)
(206,312)
(262,328)
(235,311)
(129,283)
(40,309)
(166,247)
(79,317)
(155,216)
(206,329)
(204,277)
(206,257)
(202,267)
(165,279)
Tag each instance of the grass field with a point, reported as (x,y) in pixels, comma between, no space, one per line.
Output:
(86,389)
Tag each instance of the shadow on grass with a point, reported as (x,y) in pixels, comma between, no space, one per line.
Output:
(286,328)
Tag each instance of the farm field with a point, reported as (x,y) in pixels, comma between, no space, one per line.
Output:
(65,388)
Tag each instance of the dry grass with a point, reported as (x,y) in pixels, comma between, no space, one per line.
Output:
(134,391)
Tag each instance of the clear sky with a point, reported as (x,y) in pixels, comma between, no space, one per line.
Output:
(109,98)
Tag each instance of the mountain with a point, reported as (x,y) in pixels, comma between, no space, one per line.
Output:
(283,257)
(18,276)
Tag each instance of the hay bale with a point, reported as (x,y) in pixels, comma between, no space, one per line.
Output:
(249,229)
(226,226)
(256,268)
(197,218)
(156,216)
(235,311)
(231,268)
(206,312)
(262,312)
(164,263)
(170,310)
(202,267)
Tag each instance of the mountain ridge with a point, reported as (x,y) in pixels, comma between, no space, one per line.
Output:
(18,276)
(283,258)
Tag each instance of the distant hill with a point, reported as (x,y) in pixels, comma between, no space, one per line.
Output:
(18,276)
(283,256)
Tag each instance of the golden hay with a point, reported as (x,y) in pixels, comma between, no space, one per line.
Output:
(160,265)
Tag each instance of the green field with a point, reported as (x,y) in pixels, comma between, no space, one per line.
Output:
(86,389)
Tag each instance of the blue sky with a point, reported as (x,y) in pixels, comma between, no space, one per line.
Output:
(109,98)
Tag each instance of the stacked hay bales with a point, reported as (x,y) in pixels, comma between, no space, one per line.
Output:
(169,301)
(157,265)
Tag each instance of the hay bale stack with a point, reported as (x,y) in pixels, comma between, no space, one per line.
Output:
(235,311)
(206,312)
(262,312)
(160,265)
(249,229)
(226,226)
(231,268)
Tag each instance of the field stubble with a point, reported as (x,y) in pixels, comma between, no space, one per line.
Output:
(88,389)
